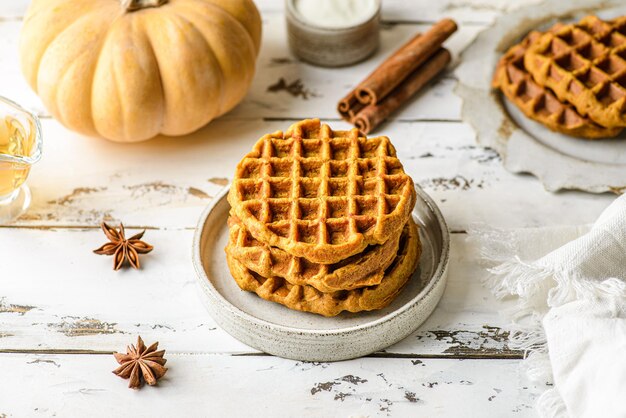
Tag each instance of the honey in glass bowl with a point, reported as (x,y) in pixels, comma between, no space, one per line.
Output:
(20,148)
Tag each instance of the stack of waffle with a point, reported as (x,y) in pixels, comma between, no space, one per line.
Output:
(571,78)
(321,221)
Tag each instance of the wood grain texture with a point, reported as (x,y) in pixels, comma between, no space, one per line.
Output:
(67,300)
(167,182)
(465,11)
(220,385)
(283,87)
(71,299)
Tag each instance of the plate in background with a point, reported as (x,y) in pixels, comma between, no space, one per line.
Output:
(559,161)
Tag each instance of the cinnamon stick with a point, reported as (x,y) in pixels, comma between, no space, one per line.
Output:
(402,63)
(349,106)
(372,115)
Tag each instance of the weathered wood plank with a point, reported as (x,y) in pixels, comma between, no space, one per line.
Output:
(283,86)
(167,182)
(13,9)
(71,299)
(467,11)
(67,299)
(286,87)
(464,11)
(219,385)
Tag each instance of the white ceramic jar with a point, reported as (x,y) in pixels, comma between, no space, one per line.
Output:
(333,33)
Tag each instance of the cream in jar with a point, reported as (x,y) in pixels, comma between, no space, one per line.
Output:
(333,33)
(336,13)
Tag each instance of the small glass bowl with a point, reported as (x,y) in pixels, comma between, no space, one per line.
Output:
(20,148)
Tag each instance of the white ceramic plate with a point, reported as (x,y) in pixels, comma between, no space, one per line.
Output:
(559,161)
(274,329)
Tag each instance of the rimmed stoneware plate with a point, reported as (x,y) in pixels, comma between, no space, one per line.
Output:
(274,329)
(559,161)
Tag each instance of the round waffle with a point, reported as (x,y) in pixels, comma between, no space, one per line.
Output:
(360,270)
(309,299)
(321,194)
(539,103)
(585,65)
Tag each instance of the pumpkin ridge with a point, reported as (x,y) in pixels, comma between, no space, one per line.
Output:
(158,67)
(199,33)
(234,18)
(45,49)
(66,71)
(38,13)
(116,77)
(104,41)
(176,20)
(118,93)
(186,7)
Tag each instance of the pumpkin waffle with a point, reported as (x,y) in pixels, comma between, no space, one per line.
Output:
(309,299)
(539,103)
(360,270)
(585,65)
(320,194)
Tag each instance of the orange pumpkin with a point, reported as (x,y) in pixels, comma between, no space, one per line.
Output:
(132,70)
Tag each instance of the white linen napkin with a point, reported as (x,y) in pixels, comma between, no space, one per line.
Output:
(570,310)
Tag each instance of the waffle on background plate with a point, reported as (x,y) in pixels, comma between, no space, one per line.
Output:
(321,220)
(571,78)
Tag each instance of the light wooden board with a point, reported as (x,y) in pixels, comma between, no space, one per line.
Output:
(167,182)
(305,91)
(284,78)
(226,386)
(67,300)
(71,299)
(466,11)
(440,155)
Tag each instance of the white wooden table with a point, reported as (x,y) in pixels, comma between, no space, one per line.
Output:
(63,310)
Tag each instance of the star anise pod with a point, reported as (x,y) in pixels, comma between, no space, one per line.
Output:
(121,248)
(141,364)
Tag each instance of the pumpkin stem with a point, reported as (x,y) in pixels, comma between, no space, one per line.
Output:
(132,5)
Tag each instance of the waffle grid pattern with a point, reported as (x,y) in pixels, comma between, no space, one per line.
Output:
(316,189)
(363,269)
(539,103)
(585,65)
